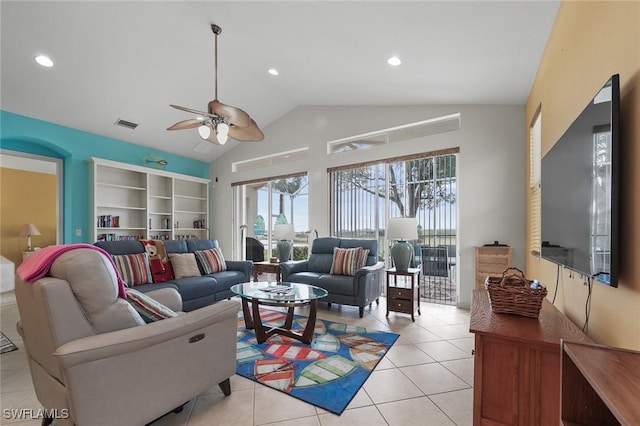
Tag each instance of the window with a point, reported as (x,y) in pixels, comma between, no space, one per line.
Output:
(263,203)
(423,186)
(535,143)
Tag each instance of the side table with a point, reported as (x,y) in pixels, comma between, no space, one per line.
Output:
(403,297)
(266,267)
(26,254)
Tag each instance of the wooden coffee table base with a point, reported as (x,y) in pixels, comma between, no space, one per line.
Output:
(254,322)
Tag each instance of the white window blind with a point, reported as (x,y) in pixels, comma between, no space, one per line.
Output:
(535,143)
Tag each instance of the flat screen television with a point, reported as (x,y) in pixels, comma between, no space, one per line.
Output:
(580,190)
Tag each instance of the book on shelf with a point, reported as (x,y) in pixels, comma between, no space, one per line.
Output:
(108,221)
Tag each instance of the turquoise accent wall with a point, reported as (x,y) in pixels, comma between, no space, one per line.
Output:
(74,147)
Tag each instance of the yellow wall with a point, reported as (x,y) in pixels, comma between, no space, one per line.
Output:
(26,197)
(589,42)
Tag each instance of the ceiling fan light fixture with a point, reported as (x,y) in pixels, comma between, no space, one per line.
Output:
(43,60)
(204,131)
(394,61)
(222,132)
(215,125)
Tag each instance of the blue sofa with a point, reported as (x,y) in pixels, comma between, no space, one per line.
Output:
(359,290)
(196,292)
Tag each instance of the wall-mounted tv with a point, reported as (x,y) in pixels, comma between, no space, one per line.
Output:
(580,190)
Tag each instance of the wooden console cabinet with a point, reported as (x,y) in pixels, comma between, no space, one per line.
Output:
(517,364)
(600,385)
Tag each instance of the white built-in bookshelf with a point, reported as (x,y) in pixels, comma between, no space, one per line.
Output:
(135,202)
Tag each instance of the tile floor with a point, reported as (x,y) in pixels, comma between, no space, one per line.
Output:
(426,378)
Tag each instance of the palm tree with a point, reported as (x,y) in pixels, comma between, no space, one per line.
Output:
(292,186)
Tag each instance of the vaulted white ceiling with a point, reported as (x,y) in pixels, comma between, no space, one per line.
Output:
(130,59)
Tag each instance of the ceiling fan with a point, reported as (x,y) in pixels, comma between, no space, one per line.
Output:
(221,121)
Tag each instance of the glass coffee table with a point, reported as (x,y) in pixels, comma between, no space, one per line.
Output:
(280,294)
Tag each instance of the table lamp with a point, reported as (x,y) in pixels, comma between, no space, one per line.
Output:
(27,230)
(402,229)
(284,233)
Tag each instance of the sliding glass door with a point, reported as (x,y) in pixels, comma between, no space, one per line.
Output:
(262,204)
(421,186)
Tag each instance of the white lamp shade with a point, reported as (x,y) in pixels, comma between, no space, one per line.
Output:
(284,231)
(402,228)
(28,229)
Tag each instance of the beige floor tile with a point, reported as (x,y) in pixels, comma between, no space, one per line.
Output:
(414,412)
(434,378)
(233,410)
(365,416)
(455,331)
(28,407)
(176,419)
(443,350)
(462,368)
(417,334)
(361,399)
(458,405)
(404,355)
(17,381)
(426,320)
(467,344)
(384,363)
(12,362)
(302,421)
(390,385)
(11,399)
(274,406)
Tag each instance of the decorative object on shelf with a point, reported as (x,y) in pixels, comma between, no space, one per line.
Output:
(258,226)
(284,233)
(514,294)
(153,160)
(27,230)
(221,121)
(402,229)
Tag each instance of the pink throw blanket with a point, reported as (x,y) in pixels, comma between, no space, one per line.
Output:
(38,264)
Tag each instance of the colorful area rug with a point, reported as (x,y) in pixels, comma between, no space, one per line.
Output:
(6,345)
(327,373)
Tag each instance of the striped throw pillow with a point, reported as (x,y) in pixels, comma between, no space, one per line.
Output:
(149,309)
(211,260)
(348,261)
(134,268)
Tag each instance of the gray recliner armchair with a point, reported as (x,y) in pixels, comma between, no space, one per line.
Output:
(93,359)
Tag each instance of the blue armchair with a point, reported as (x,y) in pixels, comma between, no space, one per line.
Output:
(359,290)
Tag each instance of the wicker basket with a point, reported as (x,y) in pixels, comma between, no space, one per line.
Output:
(512,294)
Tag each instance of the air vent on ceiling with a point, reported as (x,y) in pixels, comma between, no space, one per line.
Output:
(270,160)
(418,129)
(203,147)
(125,123)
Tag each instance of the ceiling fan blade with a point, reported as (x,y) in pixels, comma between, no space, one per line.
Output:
(252,133)
(192,111)
(234,115)
(186,124)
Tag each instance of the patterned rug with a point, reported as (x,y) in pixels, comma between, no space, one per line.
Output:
(6,345)
(327,373)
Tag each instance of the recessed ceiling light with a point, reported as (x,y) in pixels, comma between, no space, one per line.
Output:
(43,60)
(394,60)
(273,71)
